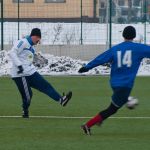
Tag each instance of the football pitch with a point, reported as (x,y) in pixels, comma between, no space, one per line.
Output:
(53,127)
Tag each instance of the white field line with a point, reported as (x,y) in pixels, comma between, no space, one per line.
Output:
(65,117)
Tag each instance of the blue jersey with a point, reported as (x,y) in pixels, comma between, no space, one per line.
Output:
(125,59)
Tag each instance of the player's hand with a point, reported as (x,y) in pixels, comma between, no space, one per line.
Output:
(20,69)
(83,69)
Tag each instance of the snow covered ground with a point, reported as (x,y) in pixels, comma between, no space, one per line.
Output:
(51,65)
(48,64)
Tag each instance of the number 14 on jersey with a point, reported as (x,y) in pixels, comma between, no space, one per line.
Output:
(125,59)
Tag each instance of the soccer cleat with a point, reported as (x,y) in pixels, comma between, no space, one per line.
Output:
(86,130)
(65,98)
(25,114)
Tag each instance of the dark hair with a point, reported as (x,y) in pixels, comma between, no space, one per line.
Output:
(36,32)
(129,33)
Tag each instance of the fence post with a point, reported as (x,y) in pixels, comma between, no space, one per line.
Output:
(110,23)
(81,38)
(18,18)
(94,8)
(2,21)
(145,20)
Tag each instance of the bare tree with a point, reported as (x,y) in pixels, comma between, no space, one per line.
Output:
(57,30)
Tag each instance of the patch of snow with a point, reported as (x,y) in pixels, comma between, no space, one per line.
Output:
(47,64)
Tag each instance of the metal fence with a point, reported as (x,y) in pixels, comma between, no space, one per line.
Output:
(74,22)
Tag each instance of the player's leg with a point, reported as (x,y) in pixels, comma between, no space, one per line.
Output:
(99,118)
(119,98)
(39,83)
(26,94)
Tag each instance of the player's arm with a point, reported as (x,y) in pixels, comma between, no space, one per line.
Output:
(99,60)
(145,51)
(13,54)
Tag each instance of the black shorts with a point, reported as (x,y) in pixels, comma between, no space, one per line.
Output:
(120,95)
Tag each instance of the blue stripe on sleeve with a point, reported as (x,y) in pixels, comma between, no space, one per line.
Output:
(19,44)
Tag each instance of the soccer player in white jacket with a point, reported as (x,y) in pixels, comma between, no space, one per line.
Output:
(25,75)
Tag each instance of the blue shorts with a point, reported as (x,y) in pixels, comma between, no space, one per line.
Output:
(120,95)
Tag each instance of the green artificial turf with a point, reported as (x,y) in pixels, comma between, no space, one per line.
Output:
(90,95)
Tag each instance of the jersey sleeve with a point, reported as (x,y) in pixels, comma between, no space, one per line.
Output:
(101,59)
(16,49)
(145,51)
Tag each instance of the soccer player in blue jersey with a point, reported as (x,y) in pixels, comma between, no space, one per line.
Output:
(24,73)
(125,59)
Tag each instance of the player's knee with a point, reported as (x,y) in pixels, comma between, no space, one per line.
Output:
(46,87)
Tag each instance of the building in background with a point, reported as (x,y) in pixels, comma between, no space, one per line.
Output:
(125,11)
(51,10)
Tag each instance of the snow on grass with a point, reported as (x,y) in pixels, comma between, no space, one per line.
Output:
(47,64)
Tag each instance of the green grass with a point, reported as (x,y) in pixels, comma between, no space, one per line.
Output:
(90,95)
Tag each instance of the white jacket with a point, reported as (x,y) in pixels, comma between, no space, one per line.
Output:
(22,54)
